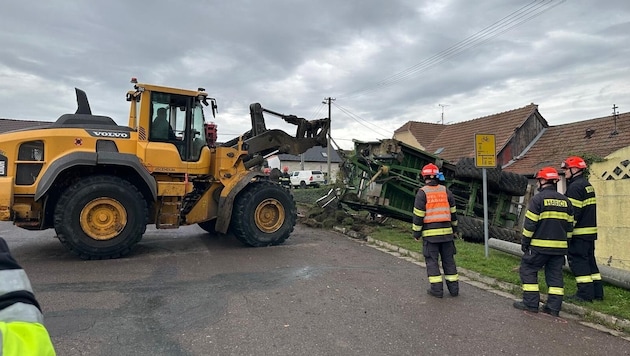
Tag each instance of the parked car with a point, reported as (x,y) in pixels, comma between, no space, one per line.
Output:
(305,179)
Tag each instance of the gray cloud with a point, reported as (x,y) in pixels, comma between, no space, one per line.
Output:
(384,61)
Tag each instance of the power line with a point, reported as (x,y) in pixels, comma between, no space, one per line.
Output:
(358,119)
(516,18)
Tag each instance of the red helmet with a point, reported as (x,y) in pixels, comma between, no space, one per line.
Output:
(267,170)
(430,170)
(573,162)
(285,168)
(548,173)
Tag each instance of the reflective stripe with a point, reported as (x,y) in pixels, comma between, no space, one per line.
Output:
(584,231)
(437,232)
(576,203)
(453,209)
(528,233)
(418,212)
(415,227)
(435,279)
(555,291)
(596,277)
(549,243)
(531,216)
(21,312)
(452,277)
(583,279)
(530,287)
(555,215)
(590,201)
(14,280)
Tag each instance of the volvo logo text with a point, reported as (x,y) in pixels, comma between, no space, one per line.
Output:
(112,134)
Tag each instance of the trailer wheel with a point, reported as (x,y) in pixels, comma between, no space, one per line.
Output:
(470,228)
(465,168)
(101,217)
(501,233)
(264,214)
(513,184)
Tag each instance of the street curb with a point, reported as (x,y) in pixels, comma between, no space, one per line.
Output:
(570,311)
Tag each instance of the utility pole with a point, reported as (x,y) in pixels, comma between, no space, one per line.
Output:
(328,101)
(443,106)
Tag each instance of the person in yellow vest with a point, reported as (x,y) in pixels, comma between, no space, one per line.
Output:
(22,331)
(547,228)
(435,221)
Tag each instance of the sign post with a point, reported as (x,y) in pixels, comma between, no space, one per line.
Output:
(485,157)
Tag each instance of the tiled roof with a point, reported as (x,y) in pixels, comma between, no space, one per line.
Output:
(423,132)
(11,124)
(458,140)
(576,138)
(313,154)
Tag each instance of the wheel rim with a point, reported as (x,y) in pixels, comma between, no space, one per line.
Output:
(269,215)
(103,218)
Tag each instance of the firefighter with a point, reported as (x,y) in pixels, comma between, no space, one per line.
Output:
(435,221)
(581,253)
(21,323)
(285,178)
(547,228)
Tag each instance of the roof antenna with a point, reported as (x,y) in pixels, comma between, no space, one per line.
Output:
(443,106)
(615,115)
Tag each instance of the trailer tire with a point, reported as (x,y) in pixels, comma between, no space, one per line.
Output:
(470,228)
(264,214)
(465,168)
(513,184)
(101,217)
(501,233)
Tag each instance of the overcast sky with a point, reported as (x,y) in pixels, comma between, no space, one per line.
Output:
(385,62)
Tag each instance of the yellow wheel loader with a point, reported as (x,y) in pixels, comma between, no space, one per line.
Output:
(99,184)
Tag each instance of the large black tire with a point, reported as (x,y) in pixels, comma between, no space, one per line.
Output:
(264,214)
(209,226)
(470,228)
(101,217)
(513,184)
(505,234)
(465,168)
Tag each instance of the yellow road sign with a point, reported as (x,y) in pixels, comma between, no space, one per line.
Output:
(485,151)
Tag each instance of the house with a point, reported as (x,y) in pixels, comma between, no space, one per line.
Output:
(315,158)
(514,131)
(11,124)
(595,138)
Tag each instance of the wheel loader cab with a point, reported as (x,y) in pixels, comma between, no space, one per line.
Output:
(177,120)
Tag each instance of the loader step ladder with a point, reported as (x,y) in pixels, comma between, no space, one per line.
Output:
(169,213)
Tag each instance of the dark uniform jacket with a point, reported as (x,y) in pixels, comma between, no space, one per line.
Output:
(434,214)
(548,222)
(582,196)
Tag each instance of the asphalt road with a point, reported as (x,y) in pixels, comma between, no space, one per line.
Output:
(184,292)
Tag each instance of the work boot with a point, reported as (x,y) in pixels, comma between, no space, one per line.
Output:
(435,294)
(520,305)
(576,298)
(550,311)
(453,288)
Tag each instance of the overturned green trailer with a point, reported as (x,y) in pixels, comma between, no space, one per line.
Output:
(382,177)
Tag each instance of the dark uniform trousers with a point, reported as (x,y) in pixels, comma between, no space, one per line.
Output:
(531,263)
(583,265)
(432,251)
